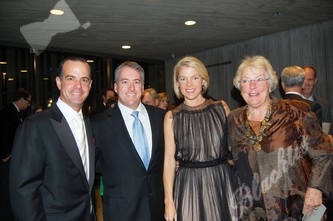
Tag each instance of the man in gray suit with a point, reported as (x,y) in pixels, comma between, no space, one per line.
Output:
(52,173)
(133,190)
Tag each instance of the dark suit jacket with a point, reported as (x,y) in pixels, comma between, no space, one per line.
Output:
(9,121)
(99,109)
(47,178)
(326,110)
(315,107)
(130,192)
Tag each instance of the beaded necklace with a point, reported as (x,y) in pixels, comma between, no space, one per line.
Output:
(255,140)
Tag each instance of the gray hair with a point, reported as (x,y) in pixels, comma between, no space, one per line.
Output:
(292,76)
(130,64)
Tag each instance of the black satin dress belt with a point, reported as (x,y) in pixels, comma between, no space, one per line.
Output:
(190,164)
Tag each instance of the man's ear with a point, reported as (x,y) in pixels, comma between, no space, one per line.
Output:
(282,84)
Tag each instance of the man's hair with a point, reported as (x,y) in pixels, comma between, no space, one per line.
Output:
(61,66)
(21,93)
(311,67)
(292,76)
(105,90)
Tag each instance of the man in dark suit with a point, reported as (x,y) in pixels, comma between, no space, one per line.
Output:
(9,120)
(292,79)
(106,95)
(132,190)
(307,91)
(52,173)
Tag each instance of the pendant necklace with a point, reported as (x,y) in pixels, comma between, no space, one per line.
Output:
(255,140)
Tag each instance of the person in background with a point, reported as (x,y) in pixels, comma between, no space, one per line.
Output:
(196,137)
(163,100)
(107,93)
(10,119)
(282,159)
(308,88)
(150,97)
(37,109)
(307,91)
(111,103)
(52,171)
(292,79)
(132,172)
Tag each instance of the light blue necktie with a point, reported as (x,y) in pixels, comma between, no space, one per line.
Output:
(140,139)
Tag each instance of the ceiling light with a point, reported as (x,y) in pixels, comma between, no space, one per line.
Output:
(90,61)
(3,62)
(125,47)
(57,12)
(190,23)
(24,71)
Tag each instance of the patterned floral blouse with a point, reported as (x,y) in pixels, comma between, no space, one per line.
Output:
(293,154)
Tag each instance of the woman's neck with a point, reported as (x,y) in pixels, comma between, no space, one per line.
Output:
(195,102)
(258,113)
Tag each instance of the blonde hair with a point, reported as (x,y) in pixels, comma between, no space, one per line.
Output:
(196,64)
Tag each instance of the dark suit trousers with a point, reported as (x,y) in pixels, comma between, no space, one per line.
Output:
(5,208)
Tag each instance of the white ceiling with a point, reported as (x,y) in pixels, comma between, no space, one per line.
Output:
(154,28)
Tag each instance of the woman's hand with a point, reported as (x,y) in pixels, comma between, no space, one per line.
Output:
(170,212)
(312,199)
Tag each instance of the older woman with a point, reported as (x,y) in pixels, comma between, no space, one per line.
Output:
(273,143)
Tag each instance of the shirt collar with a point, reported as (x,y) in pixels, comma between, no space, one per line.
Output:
(67,111)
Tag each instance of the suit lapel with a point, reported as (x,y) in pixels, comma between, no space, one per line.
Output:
(67,139)
(154,129)
(119,122)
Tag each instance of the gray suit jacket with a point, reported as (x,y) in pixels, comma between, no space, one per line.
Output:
(47,178)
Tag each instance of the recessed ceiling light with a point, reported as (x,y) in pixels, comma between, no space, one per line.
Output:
(90,61)
(125,47)
(57,12)
(3,62)
(24,71)
(190,23)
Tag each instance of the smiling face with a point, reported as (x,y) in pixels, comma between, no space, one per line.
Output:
(309,82)
(75,83)
(254,86)
(190,83)
(129,87)
(163,103)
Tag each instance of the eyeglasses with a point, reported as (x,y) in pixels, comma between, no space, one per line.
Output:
(29,101)
(248,81)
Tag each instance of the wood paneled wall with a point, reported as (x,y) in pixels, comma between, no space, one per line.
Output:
(310,45)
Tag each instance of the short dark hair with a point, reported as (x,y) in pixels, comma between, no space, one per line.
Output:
(21,93)
(61,66)
(105,90)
